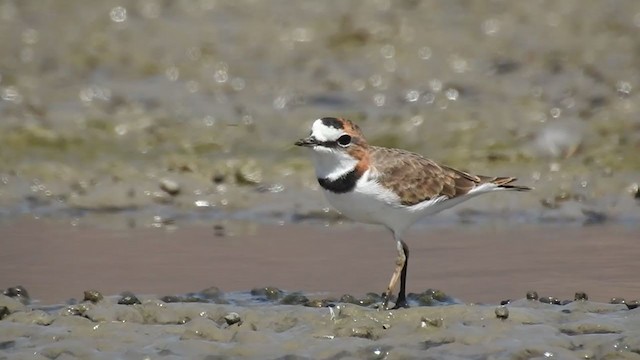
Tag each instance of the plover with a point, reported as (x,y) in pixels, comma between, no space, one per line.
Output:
(390,187)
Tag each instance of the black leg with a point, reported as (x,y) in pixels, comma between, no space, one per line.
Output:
(402,297)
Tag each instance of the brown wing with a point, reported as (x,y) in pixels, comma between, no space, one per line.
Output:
(416,179)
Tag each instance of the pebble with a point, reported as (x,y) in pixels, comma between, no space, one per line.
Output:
(502,312)
(295,298)
(93,296)
(369,299)
(550,300)
(581,296)
(171,299)
(349,299)
(169,186)
(232,318)
(19,293)
(425,321)
(128,298)
(218,178)
(532,295)
(268,293)
(633,304)
(249,173)
(318,303)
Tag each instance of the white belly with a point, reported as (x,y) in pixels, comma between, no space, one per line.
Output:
(371,203)
(359,207)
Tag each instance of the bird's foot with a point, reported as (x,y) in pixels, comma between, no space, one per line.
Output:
(401,304)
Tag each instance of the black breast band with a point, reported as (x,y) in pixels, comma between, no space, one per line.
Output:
(341,185)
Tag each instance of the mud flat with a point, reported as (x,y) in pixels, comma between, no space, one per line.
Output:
(524,329)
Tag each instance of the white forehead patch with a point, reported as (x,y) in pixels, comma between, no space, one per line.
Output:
(325,133)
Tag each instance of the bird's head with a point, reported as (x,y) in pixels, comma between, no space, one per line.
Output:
(338,146)
(333,135)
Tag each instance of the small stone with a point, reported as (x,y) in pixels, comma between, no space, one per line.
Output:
(423,299)
(128,298)
(615,300)
(249,173)
(92,295)
(170,299)
(268,292)
(75,310)
(317,303)
(349,299)
(581,296)
(425,321)
(19,293)
(295,298)
(505,302)
(170,187)
(232,318)
(550,300)
(440,295)
(218,178)
(630,304)
(532,295)
(4,311)
(370,299)
(364,332)
(502,312)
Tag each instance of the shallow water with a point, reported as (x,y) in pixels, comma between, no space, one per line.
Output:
(473,263)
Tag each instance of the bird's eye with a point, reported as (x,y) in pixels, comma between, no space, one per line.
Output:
(344,140)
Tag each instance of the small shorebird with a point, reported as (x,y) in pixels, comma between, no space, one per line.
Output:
(391,187)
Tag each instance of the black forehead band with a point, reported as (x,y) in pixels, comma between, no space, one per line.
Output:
(332,122)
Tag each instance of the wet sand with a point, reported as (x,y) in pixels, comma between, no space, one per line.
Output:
(473,263)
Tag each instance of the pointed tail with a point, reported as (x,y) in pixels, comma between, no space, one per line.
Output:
(504,183)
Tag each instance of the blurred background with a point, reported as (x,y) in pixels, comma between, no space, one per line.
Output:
(157,113)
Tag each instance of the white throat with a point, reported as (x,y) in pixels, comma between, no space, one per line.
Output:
(331,164)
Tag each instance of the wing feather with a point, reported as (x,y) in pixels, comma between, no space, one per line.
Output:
(415,178)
